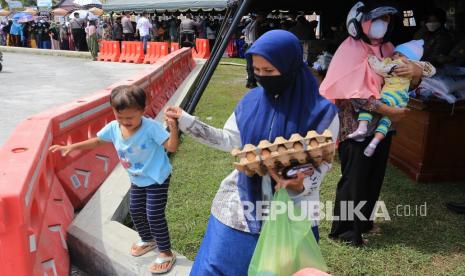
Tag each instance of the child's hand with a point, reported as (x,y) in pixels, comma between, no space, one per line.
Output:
(64,149)
(173,112)
(172,124)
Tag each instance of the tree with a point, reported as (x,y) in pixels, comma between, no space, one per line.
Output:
(28,3)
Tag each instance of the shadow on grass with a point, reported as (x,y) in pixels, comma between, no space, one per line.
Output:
(410,244)
(437,230)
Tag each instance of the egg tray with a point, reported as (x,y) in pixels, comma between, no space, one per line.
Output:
(313,148)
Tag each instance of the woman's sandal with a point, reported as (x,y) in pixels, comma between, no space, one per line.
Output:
(162,260)
(141,247)
(365,242)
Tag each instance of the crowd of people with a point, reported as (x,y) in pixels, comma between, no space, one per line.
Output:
(126,28)
(443,47)
(255,25)
(81,34)
(76,34)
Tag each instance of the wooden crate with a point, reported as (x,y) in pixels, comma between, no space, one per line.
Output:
(430,142)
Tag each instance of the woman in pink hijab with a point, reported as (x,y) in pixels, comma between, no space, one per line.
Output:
(353,85)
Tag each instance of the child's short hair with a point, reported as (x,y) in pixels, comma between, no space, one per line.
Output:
(127,96)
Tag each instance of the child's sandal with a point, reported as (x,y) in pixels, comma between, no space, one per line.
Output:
(163,260)
(141,247)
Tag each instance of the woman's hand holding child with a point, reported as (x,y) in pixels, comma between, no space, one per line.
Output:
(293,184)
(173,112)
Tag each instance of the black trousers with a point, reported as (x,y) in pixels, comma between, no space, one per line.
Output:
(361,180)
(187,39)
(84,46)
(128,37)
(79,37)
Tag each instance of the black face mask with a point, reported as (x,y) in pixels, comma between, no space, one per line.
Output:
(275,85)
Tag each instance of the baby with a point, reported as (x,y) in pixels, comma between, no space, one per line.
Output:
(395,90)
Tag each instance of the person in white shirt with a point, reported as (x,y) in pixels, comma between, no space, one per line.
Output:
(144,27)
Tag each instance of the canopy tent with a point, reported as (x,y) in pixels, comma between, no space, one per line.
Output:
(68,5)
(71,5)
(163,5)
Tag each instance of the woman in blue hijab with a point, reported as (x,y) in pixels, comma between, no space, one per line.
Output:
(287,102)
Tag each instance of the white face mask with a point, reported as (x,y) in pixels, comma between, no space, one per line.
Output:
(433,26)
(378,29)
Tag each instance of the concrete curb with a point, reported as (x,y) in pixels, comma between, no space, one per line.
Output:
(233,64)
(35,51)
(98,242)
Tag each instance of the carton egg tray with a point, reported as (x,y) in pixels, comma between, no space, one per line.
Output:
(313,148)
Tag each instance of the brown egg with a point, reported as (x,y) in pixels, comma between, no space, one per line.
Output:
(250,156)
(266,153)
(313,143)
(301,157)
(282,149)
(298,146)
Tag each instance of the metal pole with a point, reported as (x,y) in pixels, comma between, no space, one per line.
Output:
(207,72)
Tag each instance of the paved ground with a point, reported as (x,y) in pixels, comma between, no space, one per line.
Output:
(32,83)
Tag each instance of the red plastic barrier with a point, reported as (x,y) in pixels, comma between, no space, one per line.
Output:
(197,51)
(163,83)
(38,189)
(132,51)
(104,50)
(52,253)
(81,173)
(169,79)
(178,70)
(188,60)
(174,47)
(230,49)
(34,210)
(109,51)
(203,48)
(151,55)
(156,50)
(156,92)
(159,98)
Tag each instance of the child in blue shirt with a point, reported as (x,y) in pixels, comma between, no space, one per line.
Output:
(140,143)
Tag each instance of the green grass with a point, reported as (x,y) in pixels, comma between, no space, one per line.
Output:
(413,245)
(235,60)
